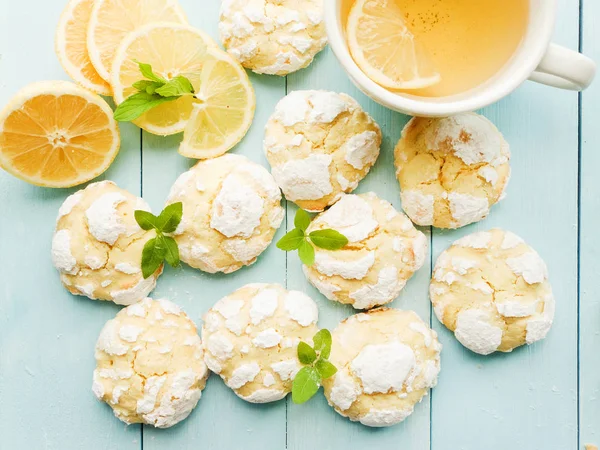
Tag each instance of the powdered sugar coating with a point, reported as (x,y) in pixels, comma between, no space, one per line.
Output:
(320,144)
(387,361)
(305,179)
(451,170)
(418,206)
(384,367)
(230,221)
(275,38)
(62,258)
(68,205)
(492,290)
(146,371)
(384,251)
(97,245)
(251,338)
(474,331)
(466,209)
(104,221)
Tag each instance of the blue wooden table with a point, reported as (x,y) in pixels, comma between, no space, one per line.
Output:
(544,397)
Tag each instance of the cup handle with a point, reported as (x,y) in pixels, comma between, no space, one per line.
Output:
(564,69)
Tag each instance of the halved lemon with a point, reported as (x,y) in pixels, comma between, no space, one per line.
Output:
(112,20)
(171,50)
(385,49)
(225,110)
(57,134)
(71,46)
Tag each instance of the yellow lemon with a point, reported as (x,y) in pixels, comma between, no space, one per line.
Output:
(173,50)
(71,46)
(385,49)
(112,20)
(57,134)
(225,110)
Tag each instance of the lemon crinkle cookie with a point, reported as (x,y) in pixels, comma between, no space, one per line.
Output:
(320,144)
(451,170)
(97,245)
(384,250)
(231,211)
(251,338)
(491,289)
(387,361)
(149,364)
(274,37)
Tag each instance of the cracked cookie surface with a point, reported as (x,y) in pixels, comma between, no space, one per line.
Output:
(149,364)
(274,37)
(251,338)
(320,145)
(491,289)
(231,212)
(383,252)
(97,245)
(387,361)
(451,170)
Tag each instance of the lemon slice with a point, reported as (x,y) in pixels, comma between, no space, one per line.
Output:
(385,49)
(57,134)
(171,50)
(225,112)
(112,20)
(71,46)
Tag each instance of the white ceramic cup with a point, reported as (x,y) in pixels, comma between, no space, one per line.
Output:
(536,59)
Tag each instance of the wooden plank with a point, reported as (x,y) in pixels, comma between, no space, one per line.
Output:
(221,420)
(315,424)
(47,336)
(589,301)
(526,399)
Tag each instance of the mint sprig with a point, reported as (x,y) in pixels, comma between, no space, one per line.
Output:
(316,367)
(297,239)
(152,91)
(160,248)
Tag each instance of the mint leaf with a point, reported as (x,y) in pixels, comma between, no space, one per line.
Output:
(306,252)
(172,251)
(322,342)
(297,239)
(152,257)
(147,86)
(137,104)
(152,88)
(146,221)
(176,87)
(291,241)
(317,368)
(170,218)
(325,368)
(306,354)
(328,239)
(146,70)
(305,385)
(302,220)
(161,247)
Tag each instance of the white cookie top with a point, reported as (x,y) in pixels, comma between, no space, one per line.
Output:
(231,211)
(320,144)
(384,251)
(149,364)
(492,290)
(97,246)
(451,170)
(275,38)
(251,338)
(472,138)
(387,361)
